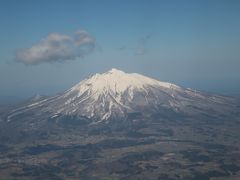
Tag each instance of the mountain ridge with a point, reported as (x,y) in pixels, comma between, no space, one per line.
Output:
(116,94)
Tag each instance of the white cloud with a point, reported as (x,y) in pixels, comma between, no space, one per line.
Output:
(83,37)
(58,47)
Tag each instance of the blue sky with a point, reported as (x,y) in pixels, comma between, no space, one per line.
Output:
(194,43)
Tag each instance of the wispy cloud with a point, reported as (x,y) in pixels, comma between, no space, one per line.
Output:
(141,51)
(142,45)
(122,48)
(58,47)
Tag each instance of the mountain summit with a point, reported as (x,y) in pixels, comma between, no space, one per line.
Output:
(116,95)
(116,81)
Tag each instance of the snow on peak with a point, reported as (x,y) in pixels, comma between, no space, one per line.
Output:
(117,81)
(110,93)
(113,70)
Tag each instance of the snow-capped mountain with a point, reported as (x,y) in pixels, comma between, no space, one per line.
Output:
(116,94)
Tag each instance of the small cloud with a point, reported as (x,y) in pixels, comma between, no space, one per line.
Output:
(122,48)
(58,47)
(141,46)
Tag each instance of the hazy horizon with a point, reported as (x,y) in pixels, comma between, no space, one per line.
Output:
(12,99)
